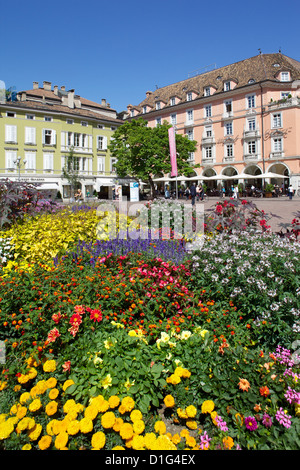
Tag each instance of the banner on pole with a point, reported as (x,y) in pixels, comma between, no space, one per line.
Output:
(172,145)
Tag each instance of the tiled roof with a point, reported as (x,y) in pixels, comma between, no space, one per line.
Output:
(258,68)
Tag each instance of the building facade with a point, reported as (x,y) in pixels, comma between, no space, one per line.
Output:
(245,118)
(38,130)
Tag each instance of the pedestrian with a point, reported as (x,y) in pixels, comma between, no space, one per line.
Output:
(235,192)
(223,191)
(193,193)
(167,192)
(291,191)
(187,193)
(198,191)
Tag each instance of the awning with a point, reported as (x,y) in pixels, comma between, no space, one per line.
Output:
(47,186)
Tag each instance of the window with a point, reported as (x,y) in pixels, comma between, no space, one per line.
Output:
(113,162)
(190,115)
(228,106)
(30,135)
(101,164)
(70,121)
(251,101)
(10,158)
(100,126)
(76,139)
(208,152)
(191,157)
(49,137)
(208,111)
(173,119)
(207,91)
(277,144)
(157,106)
(84,141)
(30,116)
(208,131)
(276,120)
(30,160)
(190,134)
(158,121)
(101,142)
(172,101)
(285,95)
(48,161)
(229,150)
(11,134)
(227,86)
(285,76)
(84,164)
(252,147)
(84,123)
(251,124)
(228,128)
(113,128)
(189,96)
(48,118)
(10,114)
(144,109)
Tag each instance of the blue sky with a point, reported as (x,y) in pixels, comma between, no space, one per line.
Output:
(118,50)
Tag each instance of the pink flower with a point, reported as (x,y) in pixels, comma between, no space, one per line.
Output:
(56,317)
(66,366)
(250,423)
(52,335)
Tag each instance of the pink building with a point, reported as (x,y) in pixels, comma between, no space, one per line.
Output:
(245,118)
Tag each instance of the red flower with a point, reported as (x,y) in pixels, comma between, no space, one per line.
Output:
(75,319)
(264,391)
(219,209)
(96,315)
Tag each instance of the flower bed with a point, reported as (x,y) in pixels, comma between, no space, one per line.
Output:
(115,341)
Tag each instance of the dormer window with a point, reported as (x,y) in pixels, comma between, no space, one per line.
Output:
(285,76)
(157,106)
(227,86)
(144,109)
(207,91)
(189,96)
(172,101)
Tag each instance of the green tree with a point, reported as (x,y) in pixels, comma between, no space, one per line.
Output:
(143,152)
(70,171)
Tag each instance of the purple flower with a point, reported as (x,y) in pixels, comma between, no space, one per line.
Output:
(292,396)
(221,423)
(283,418)
(267,420)
(251,423)
(204,441)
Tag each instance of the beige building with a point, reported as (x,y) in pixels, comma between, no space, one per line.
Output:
(245,118)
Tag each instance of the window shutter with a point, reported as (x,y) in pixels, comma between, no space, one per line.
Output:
(63,138)
(104,143)
(53,137)
(43,136)
(10,133)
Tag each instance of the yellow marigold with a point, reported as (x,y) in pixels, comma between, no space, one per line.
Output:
(16,388)
(61,440)
(6,428)
(41,386)
(118,424)
(35,432)
(138,442)
(51,382)
(184,433)
(228,442)
(67,384)
(113,401)
(122,409)
(174,379)
(160,427)
(136,414)
(163,443)
(179,371)
(49,427)
(176,438)
(128,403)
(190,441)
(213,416)
(126,431)
(149,440)
(53,393)
(98,440)
(27,447)
(191,411)
(35,405)
(169,401)
(86,425)
(25,397)
(31,423)
(34,392)
(45,442)
(69,405)
(73,427)
(21,412)
(118,448)
(207,406)
(138,426)
(91,412)
(23,378)
(191,424)
(2,385)
(13,410)
(182,413)
(49,366)
(51,408)
(108,420)
(59,426)
(32,373)
(22,424)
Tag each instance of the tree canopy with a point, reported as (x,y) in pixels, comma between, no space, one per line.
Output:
(143,152)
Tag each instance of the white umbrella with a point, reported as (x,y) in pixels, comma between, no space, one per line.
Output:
(269,174)
(243,176)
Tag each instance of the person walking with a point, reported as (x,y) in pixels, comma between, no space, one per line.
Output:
(193,193)
(291,191)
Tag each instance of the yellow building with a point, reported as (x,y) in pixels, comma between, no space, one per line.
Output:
(38,130)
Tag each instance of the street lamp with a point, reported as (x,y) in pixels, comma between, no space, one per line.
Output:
(19,163)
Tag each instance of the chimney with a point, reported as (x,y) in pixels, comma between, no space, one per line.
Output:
(71,94)
(35,85)
(103,102)
(63,88)
(148,93)
(47,86)
(23,96)
(55,89)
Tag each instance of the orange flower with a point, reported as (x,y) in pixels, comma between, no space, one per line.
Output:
(244,385)
(264,391)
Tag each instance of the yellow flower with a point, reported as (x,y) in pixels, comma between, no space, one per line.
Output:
(169,401)
(182,413)
(174,379)
(138,442)
(186,373)
(128,403)
(61,440)
(73,427)
(163,442)
(27,447)
(49,366)
(113,401)
(213,416)
(86,425)
(176,438)
(51,408)
(35,432)
(191,424)
(69,405)
(207,406)
(22,424)
(51,382)
(21,412)
(138,426)
(108,420)
(190,441)
(118,448)
(98,440)
(126,431)
(160,427)
(228,442)
(25,397)
(32,373)
(149,440)
(106,382)
(67,384)
(6,428)
(35,405)
(128,384)
(136,414)
(91,412)
(45,442)
(191,411)
(118,424)
(53,393)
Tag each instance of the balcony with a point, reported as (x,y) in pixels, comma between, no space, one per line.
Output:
(284,103)
(227,159)
(250,134)
(251,157)
(277,155)
(208,161)
(208,140)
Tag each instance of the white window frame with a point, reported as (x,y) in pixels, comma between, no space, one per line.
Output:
(284,76)
(158,105)
(227,85)
(172,101)
(228,128)
(48,118)
(276,120)
(277,144)
(84,123)
(30,159)
(113,161)
(13,115)
(189,96)
(31,117)
(208,131)
(229,150)
(250,122)
(48,161)
(208,151)
(101,142)
(252,147)
(173,119)
(158,121)
(10,157)
(190,115)
(49,133)
(228,106)
(10,134)
(208,111)
(251,101)
(70,121)
(101,164)
(190,133)
(30,135)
